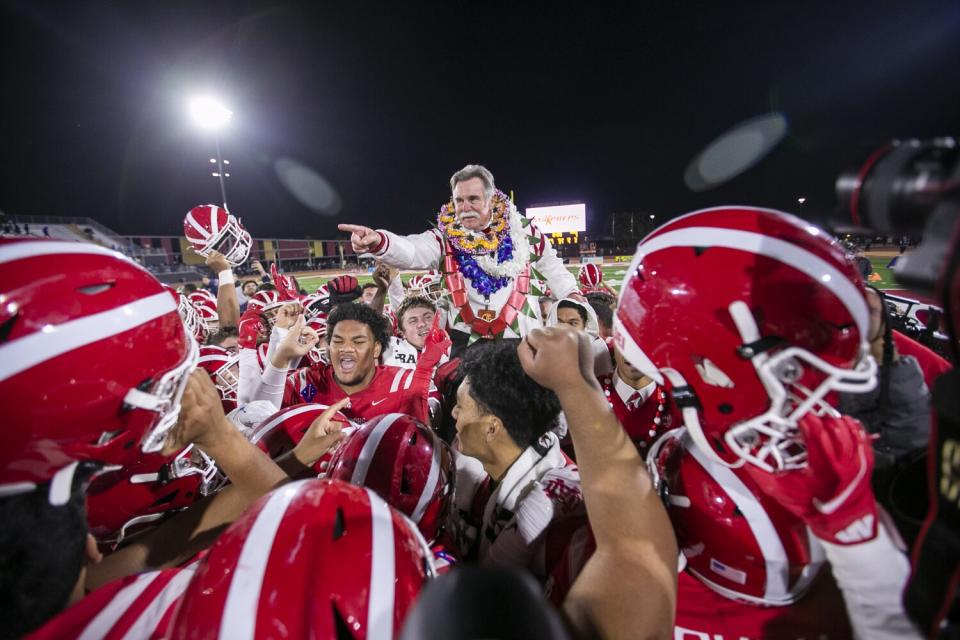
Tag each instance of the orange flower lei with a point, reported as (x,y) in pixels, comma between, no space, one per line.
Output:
(476,242)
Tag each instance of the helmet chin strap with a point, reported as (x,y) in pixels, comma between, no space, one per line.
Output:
(686,401)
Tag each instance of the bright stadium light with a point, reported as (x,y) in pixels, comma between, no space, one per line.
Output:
(801,199)
(209,113)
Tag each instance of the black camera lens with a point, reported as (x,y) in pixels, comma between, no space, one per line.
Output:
(897,187)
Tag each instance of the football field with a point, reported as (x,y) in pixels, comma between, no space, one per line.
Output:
(613,275)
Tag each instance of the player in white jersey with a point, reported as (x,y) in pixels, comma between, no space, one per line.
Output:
(414,317)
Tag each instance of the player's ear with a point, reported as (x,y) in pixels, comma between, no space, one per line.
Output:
(377,348)
(493,427)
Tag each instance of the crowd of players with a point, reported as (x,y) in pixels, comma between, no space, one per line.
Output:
(260,462)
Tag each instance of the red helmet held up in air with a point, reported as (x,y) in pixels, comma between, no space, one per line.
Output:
(750,317)
(312,559)
(405,463)
(211,228)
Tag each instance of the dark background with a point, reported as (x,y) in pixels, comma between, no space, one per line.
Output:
(604,104)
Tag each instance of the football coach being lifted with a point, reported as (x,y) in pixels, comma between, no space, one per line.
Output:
(491,257)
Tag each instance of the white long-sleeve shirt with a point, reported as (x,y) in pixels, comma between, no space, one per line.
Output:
(425,251)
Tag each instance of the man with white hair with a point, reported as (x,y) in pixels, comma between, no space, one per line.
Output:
(488,254)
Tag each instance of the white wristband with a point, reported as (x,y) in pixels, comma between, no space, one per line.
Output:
(226,277)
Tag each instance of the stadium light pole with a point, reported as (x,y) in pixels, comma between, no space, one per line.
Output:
(210,114)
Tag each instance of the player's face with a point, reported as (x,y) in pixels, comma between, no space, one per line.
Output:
(230,344)
(368,294)
(471,423)
(353,354)
(415,325)
(473,209)
(570,317)
(627,372)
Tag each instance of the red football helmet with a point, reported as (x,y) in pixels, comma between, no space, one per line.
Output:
(590,276)
(430,285)
(735,539)
(212,228)
(316,304)
(284,430)
(774,318)
(318,354)
(94,359)
(312,559)
(224,370)
(124,502)
(206,305)
(267,303)
(405,463)
(192,321)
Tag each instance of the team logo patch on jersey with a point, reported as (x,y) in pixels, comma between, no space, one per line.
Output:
(309,392)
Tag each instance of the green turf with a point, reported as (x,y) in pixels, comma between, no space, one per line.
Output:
(612,274)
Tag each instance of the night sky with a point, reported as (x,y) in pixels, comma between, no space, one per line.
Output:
(600,103)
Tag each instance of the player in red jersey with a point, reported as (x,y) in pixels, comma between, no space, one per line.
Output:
(357,337)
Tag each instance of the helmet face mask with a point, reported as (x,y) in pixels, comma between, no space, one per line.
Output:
(163,398)
(223,367)
(194,324)
(775,320)
(430,285)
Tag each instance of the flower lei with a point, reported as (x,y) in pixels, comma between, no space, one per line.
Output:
(489,259)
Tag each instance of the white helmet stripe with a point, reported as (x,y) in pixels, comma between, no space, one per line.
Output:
(370,448)
(239,618)
(787,253)
(23,250)
(214,225)
(147,623)
(428,488)
(55,340)
(269,425)
(382,571)
(204,234)
(120,603)
(774,555)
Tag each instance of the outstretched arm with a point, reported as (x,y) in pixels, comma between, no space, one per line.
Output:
(628,587)
(417,251)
